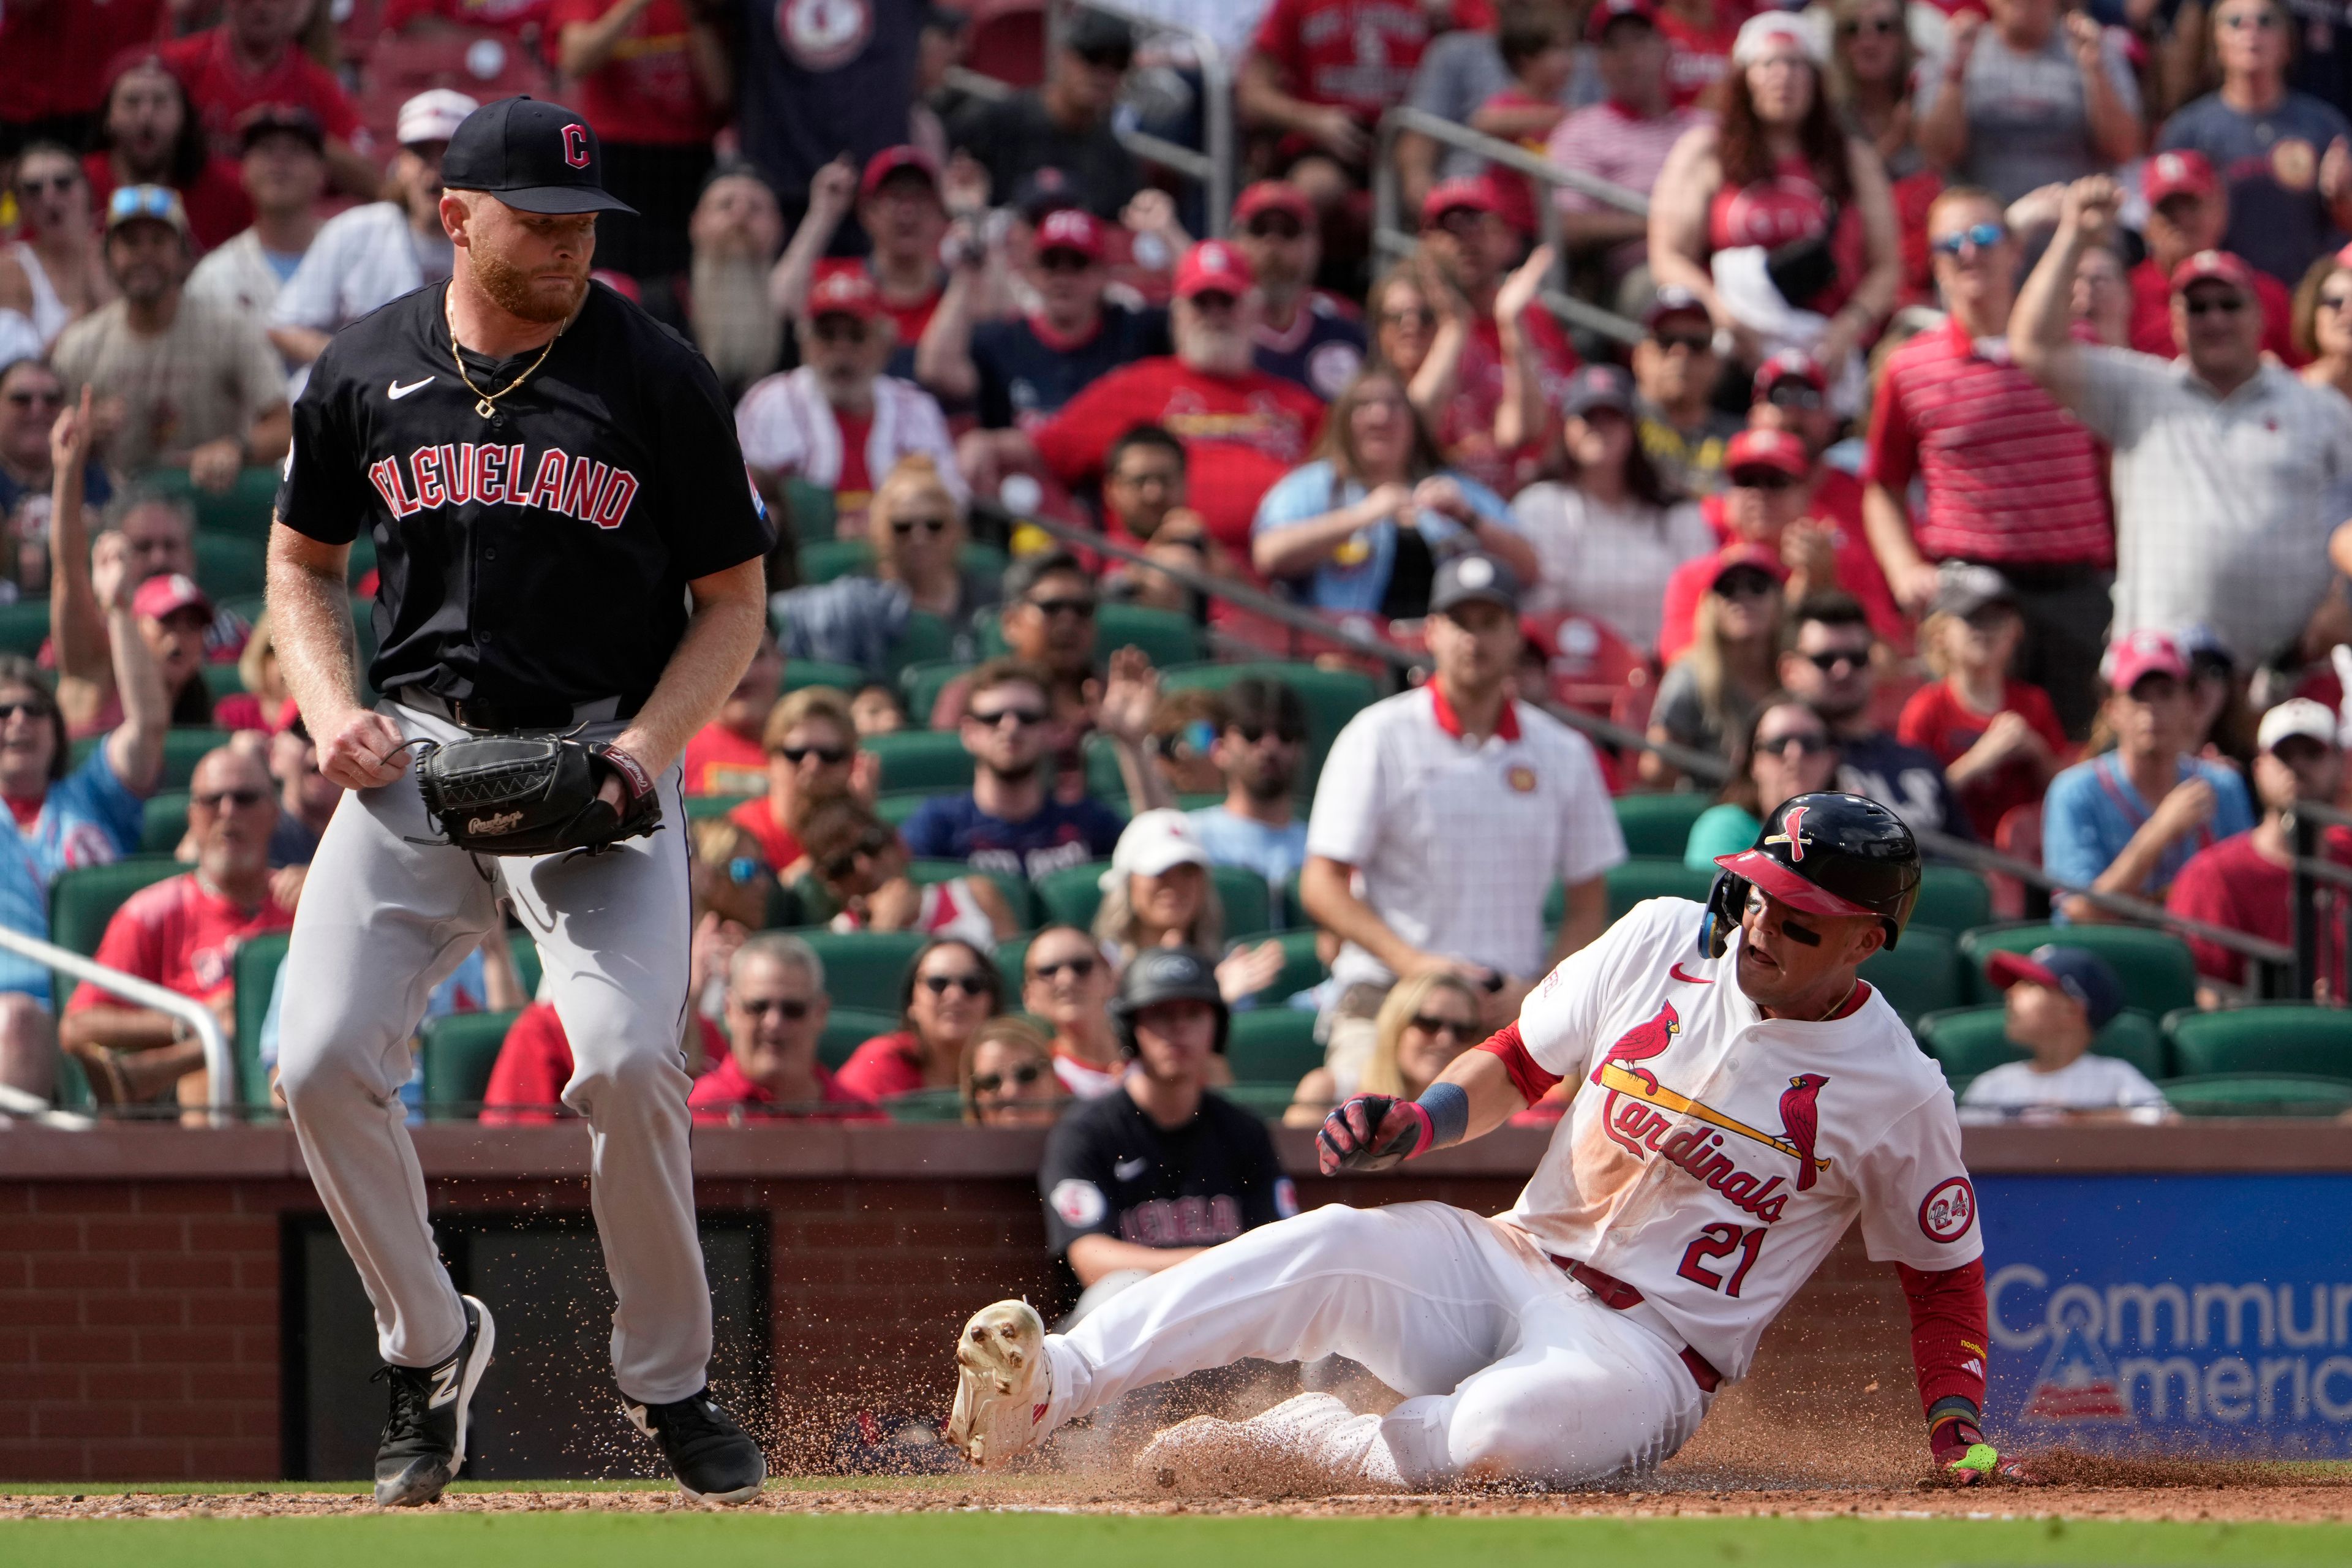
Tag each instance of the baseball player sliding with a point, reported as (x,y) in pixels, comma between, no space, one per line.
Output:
(1740,1098)
(572,583)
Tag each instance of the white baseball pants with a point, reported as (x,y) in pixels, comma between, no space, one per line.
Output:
(381,922)
(1513,1370)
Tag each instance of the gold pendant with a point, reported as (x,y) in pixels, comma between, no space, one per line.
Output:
(482,406)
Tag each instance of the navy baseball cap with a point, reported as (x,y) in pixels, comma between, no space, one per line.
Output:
(535,157)
(1473,575)
(2076,971)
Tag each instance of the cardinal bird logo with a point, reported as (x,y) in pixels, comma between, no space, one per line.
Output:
(1791,834)
(1800,1123)
(1642,1042)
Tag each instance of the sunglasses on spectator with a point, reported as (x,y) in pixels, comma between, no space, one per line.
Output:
(2227,304)
(1082,608)
(1020,718)
(1809,743)
(140,201)
(1275,226)
(1793,394)
(1080,967)
(1161,479)
(1062,259)
(969,985)
(1021,1077)
(28,399)
(60,183)
(1252,735)
(1745,585)
(1977,235)
(872,842)
(1870,27)
(829,756)
(1827,663)
(1692,343)
(905,526)
(791,1008)
(1458,1030)
(240,798)
(1762,479)
(37,710)
(1423,318)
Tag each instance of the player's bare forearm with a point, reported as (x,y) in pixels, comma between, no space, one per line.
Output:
(1093,1256)
(310,624)
(1494,1097)
(730,608)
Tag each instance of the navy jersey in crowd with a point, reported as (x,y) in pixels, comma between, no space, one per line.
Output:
(1026,376)
(1065,833)
(1322,350)
(1904,778)
(821,78)
(1110,1169)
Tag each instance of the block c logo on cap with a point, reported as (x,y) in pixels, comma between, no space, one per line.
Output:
(575,145)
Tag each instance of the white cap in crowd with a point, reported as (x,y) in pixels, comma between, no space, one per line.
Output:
(432,116)
(2297,716)
(1154,842)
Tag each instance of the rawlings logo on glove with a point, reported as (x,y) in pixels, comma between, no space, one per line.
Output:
(533,795)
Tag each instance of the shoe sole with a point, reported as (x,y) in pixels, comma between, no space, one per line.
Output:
(727,1500)
(485,1339)
(997,1382)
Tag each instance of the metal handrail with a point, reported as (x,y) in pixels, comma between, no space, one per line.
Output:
(1390,236)
(220,1063)
(1703,766)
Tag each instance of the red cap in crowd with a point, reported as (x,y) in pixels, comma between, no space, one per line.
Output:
(2213,266)
(890,160)
(1787,365)
(1597,21)
(1674,299)
(161,598)
(2134,657)
(1213,266)
(2173,174)
(1273,196)
(1465,193)
(1071,228)
(1736,556)
(1776,450)
(844,289)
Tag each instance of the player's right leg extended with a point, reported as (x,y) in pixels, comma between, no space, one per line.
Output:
(382,922)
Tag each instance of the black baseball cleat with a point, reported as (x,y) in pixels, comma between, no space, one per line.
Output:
(714,1460)
(423,1443)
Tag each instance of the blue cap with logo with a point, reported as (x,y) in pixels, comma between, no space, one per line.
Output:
(2075,971)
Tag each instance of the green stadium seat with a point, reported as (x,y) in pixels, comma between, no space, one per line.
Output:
(1634,880)
(1273,1045)
(1969,1041)
(862,968)
(1016,890)
(846,1028)
(1301,969)
(1952,899)
(1267,1101)
(2294,1038)
(184,748)
(920,684)
(928,760)
(703,807)
(1071,895)
(82,901)
(459,1051)
(164,824)
(2157,973)
(1658,826)
(25,626)
(223,681)
(72,1087)
(2258,1094)
(526,960)
(1010,955)
(925,639)
(1920,975)
(1167,639)
(255,972)
(845,679)
(230,563)
(243,510)
(814,517)
(895,807)
(926,1105)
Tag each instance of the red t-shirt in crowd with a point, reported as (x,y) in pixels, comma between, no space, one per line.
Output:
(53,56)
(1786,207)
(1241,433)
(1357,53)
(1696,56)
(909,321)
(181,935)
(508,16)
(2233,884)
(2151,317)
(884,1065)
(1465,426)
(725,1089)
(647,91)
(1858,572)
(721,761)
(223,89)
(778,843)
(854,489)
(218,208)
(2012,479)
(1512,189)
(1936,722)
(535,1063)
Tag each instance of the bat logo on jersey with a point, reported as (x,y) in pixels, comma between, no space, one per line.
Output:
(457,475)
(575,145)
(1642,1042)
(1793,838)
(1638,1117)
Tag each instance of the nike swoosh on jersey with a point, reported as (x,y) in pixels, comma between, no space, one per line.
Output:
(1676,974)
(396,392)
(1128,1170)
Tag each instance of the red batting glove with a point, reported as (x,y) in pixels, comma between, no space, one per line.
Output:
(1373,1132)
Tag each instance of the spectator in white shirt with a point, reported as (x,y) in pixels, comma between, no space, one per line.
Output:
(283,167)
(2059,998)
(371,256)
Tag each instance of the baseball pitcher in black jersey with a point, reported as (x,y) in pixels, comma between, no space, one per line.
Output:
(568,542)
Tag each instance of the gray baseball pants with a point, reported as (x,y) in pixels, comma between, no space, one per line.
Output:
(381,922)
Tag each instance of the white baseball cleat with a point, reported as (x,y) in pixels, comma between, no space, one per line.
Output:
(1003,1387)
(1279,1453)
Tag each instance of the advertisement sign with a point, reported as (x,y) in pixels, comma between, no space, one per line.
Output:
(2171,1313)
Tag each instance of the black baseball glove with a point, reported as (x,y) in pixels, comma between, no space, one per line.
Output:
(533,795)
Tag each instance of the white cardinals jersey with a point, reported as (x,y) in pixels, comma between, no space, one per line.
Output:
(1711,1156)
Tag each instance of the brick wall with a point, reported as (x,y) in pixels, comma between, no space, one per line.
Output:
(139,1269)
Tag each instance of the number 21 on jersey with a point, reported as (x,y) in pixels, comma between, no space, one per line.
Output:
(1722,1241)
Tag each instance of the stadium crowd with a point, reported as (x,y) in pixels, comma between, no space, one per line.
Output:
(1956,409)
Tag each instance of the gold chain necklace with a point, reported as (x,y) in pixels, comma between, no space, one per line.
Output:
(486,403)
(1841,1002)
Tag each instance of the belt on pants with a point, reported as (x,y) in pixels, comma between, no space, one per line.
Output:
(489,717)
(1617,1295)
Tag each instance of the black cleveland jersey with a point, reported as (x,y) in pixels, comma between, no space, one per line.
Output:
(1110,1169)
(542,554)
